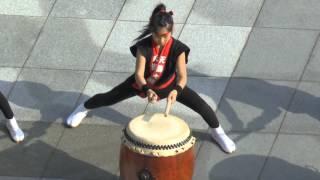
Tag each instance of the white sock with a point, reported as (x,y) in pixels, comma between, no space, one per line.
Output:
(81,108)
(222,139)
(76,117)
(13,123)
(14,129)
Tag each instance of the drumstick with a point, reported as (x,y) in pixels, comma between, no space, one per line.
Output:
(145,109)
(168,107)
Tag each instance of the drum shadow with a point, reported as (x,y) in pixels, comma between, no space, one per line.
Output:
(249,167)
(37,157)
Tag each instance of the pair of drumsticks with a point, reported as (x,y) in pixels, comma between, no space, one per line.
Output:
(168,108)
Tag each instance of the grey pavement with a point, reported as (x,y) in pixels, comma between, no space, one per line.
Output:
(255,62)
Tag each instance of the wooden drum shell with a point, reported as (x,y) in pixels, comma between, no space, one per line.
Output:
(177,167)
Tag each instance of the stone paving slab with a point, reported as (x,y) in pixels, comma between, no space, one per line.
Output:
(26,7)
(290,14)
(65,65)
(98,9)
(293,157)
(244,164)
(222,13)
(17,38)
(70,43)
(255,105)
(140,10)
(46,95)
(116,56)
(7,77)
(214,49)
(28,158)
(276,54)
(303,115)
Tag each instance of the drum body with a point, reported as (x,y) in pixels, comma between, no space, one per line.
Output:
(157,148)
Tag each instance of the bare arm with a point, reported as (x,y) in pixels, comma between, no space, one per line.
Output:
(182,78)
(182,70)
(139,77)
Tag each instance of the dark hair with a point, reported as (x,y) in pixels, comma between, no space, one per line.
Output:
(159,18)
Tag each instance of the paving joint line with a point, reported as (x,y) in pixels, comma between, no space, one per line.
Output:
(309,57)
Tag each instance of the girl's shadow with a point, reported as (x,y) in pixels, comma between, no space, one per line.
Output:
(272,99)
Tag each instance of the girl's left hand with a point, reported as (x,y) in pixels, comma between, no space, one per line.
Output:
(172,96)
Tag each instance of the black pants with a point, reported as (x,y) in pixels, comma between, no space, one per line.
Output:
(5,107)
(124,91)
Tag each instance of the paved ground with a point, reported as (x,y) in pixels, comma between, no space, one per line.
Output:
(254,61)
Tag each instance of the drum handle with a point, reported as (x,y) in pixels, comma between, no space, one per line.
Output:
(144,174)
(168,107)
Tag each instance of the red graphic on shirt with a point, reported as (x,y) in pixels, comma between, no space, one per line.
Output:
(158,62)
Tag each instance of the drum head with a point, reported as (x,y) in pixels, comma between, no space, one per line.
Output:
(158,133)
(158,129)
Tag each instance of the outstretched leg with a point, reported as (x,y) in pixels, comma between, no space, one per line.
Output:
(119,93)
(192,100)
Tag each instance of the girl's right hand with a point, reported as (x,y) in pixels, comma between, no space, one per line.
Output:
(152,96)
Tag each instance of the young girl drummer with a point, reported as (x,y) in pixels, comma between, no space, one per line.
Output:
(12,125)
(160,73)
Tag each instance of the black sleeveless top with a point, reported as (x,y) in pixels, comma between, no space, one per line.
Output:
(145,47)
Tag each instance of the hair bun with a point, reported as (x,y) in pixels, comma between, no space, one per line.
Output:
(170,12)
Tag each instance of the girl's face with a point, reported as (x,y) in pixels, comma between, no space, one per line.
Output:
(162,36)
